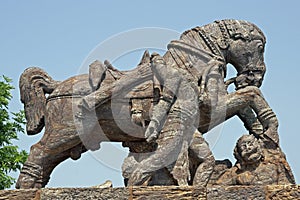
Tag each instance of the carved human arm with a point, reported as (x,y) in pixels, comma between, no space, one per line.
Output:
(159,114)
(215,78)
(170,81)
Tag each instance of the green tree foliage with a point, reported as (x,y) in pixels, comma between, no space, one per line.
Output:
(10,124)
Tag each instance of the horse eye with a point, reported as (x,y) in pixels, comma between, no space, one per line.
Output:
(261,48)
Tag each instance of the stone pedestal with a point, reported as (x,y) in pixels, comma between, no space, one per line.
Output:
(273,192)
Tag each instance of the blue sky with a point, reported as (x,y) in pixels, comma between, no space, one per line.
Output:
(59,35)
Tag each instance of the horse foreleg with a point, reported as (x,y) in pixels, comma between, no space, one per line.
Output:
(251,96)
(251,123)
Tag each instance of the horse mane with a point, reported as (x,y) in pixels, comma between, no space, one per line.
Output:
(235,29)
(243,29)
(34,84)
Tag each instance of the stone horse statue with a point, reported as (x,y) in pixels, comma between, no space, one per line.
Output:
(116,106)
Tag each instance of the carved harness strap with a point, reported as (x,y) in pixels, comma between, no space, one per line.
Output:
(179,48)
(223,42)
(202,54)
(251,69)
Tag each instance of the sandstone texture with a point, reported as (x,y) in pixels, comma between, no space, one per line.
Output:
(269,192)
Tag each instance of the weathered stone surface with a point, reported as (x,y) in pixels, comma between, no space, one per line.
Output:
(274,192)
(22,194)
(84,193)
(167,192)
(286,192)
(236,193)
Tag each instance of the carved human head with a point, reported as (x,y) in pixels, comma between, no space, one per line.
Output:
(248,150)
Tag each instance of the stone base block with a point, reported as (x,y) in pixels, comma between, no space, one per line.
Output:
(269,192)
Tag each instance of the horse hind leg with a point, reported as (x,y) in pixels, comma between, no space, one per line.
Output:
(37,169)
(56,159)
(31,173)
(54,147)
(44,157)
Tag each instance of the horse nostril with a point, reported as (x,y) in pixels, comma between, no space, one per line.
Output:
(251,76)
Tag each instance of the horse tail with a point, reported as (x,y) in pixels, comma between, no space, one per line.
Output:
(34,84)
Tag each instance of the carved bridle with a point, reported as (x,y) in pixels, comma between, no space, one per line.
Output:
(232,29)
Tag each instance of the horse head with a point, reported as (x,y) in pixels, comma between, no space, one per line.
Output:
(245,51)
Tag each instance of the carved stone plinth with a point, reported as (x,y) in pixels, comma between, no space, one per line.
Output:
(21,194)
(158,192)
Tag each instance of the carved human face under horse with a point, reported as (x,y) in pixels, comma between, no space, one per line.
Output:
(228,41)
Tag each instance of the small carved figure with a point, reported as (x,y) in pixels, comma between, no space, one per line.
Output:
(252,167)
